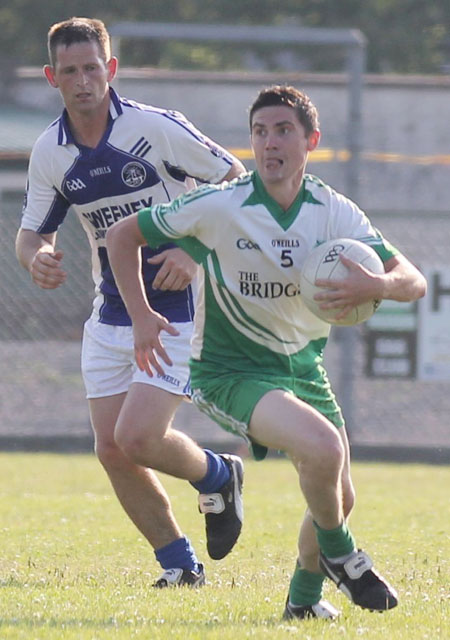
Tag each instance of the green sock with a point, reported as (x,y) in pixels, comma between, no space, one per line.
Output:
(335,543)
(305,587)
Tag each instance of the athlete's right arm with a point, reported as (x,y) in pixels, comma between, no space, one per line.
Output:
(36,253)
(123,241)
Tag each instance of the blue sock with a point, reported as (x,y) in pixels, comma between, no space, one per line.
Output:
(217,475)
(178,554)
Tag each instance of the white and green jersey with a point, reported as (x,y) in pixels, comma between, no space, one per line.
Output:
(250,315)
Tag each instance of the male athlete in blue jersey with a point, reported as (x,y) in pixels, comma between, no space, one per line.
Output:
(104,159)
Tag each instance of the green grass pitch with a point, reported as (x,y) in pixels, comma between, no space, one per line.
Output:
(73,567)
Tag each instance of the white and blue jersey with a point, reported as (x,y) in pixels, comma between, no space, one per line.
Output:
(147,156)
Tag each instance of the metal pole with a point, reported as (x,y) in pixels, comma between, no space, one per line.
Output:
(348,337)
(356,63)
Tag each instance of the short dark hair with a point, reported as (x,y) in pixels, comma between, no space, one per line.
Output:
(76,30)
(291,97)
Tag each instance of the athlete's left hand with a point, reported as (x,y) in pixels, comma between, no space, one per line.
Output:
(176,272)
(361,285)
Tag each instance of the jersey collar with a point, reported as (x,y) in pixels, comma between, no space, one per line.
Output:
(64,133)
(284,218)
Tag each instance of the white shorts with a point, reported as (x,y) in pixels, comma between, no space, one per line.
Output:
(108,365)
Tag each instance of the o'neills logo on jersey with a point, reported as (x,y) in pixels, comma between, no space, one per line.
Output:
(99,171)
(285,243)
(249,285)
(134,174)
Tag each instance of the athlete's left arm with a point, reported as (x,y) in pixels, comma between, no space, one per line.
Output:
(402,281)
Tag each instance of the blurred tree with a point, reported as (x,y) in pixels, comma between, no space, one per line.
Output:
(405,36)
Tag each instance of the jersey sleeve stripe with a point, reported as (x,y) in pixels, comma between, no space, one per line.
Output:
(157,234)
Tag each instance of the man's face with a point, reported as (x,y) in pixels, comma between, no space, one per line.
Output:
(280,144)
(81,75)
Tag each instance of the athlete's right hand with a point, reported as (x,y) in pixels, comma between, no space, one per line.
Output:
(46,270)
(148,348)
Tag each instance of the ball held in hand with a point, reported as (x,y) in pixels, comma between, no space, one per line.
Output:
(324,263)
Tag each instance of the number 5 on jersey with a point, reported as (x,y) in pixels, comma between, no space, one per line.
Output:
(286,258)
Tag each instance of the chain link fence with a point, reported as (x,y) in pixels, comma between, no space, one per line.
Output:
(42,403)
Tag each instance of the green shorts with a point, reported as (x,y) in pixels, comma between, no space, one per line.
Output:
(229,398)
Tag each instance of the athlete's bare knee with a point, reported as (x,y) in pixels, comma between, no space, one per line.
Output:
(128,442)
(326,457)
(108,453)
(142,446)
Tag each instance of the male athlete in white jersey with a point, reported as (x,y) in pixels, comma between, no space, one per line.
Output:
(104,159)
(256,361)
